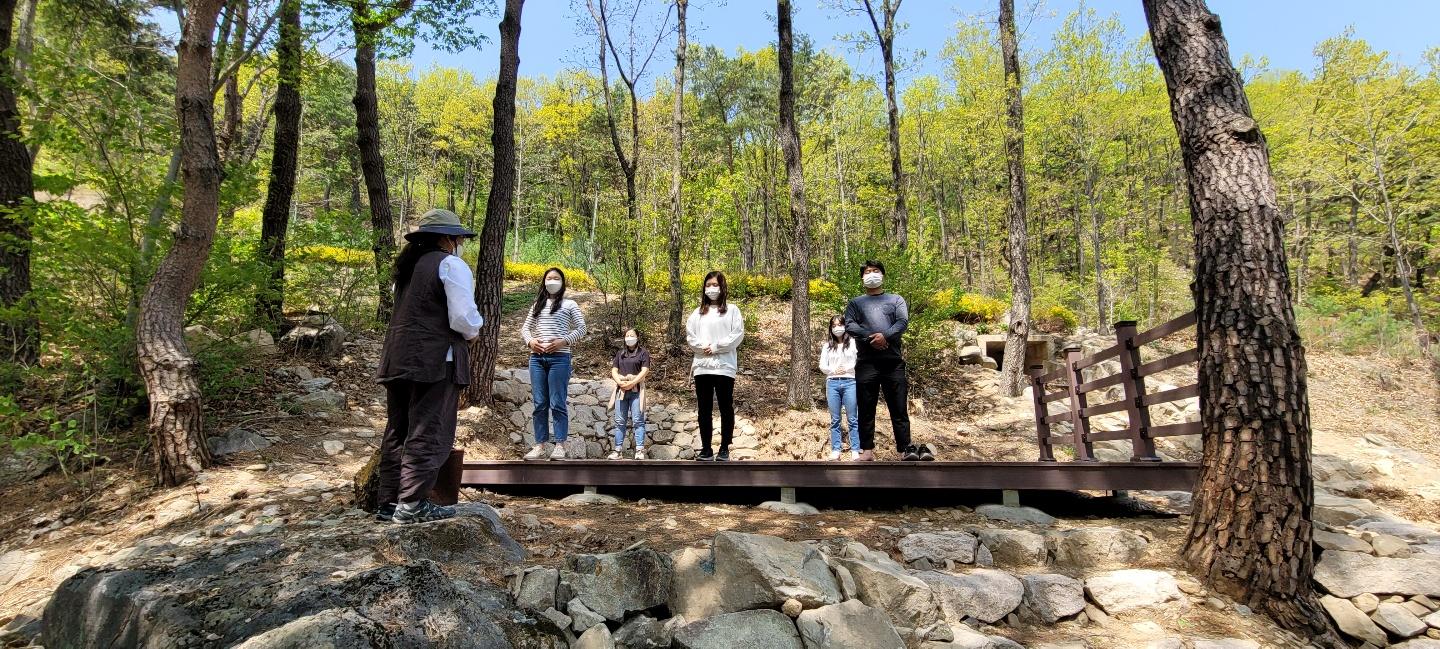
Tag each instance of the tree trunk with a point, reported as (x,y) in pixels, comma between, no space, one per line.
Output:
(800,395)
(1104,305)
(490,267)
(19,329)
(1250,531)
(176,417)
(1013,372)
(234,104)
(275,219)
(885,37)
(372,162)
(672,331)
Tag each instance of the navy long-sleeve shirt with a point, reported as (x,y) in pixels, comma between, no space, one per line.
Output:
(886,313)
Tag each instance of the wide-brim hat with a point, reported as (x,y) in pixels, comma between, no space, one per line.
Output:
(438,221)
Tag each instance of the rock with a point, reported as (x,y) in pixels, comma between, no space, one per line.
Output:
(762,629)
(908,600)
(1053,597)
(1366,602)
(938,547)
(1096,547)
(1348,574)
(644,632)
(1398,620)
(662,452)
(845,625)
(1433,620)
(986,595)
(1408,531)
(295,373)
(792,608)
(1339,511)
(317,335)
(257,341)
(198,337)
(237,440)
(965,637)
(581,617)
(316,384)
(559,622)
(590,499)
(596,637)
(321,401)
(17,566)
(1014,548)
(1418,643)
(1224,643)
(535,589)
(1352,622)
(617,583)
(1342,542)
(793,509)
(1386,545)
(748,571)
(1124,590)
(1015,514)
(332,447)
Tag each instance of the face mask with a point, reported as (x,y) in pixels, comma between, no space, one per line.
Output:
(631,340)
(872,280)
(838,331)
(553,286)
(712,292)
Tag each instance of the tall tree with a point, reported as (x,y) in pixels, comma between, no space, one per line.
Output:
(677,212)
(490,267)
(19,330)
(171,380)
(884,26)
(275,219)
(800,394)
(1013,373)
(1250,531)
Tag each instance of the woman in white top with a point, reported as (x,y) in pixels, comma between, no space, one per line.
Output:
(714,332)
(553,326)
(837,361)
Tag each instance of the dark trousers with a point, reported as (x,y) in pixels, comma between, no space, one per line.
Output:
(708,388)
(871,380)
(419,433)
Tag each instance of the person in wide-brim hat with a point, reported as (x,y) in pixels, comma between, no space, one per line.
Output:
(438,221)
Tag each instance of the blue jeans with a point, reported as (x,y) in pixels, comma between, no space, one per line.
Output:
(549,386)
(627,408)
(841,392)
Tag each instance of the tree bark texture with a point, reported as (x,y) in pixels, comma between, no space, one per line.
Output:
(19,329)
(372,162)
(800,394)
(490,267)
(171,380)
(1250,533)
(1013,373)
(275,219)
(673,335)
(885,36)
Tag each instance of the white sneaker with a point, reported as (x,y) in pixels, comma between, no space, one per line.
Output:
(834,455)
(537,453)
(614,455)
(558,453)
(854,456)
(639,452)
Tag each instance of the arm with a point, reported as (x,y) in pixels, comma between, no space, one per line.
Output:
(735,331)
(525,328)
(577,320)
(854,324)
(460,297)
(692,333)
(902,319)
(825,364)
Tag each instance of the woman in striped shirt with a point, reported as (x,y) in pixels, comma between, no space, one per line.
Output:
(551,329)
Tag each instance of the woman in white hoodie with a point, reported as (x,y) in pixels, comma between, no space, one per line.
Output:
(714,332)
(837,361)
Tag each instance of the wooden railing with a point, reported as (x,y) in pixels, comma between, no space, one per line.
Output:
(1135,404)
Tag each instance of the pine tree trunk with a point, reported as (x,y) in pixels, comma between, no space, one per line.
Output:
(176,417)
(885,36)
(1250,532)
(672,329)
(234,104)
(19,330)
(1013,373)
(275,218)
(490,267)
(372,162)
(800,395)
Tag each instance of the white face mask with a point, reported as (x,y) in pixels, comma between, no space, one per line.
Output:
(838,331)
(872,280)
(712,292)
(553,286)
(630,341)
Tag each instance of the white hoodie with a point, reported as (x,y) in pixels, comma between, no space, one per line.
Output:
(723,331)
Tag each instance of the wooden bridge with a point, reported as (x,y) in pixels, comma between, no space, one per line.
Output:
(1144,471)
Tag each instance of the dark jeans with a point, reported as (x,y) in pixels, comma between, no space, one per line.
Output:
(872,379)
(419,433)
(708,388)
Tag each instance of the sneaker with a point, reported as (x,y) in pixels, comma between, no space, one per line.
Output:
(723,455)
(385,512)
(558,453)
(705,456)
(537,453)
(910,454)
(639,452)
(865,456)
(834,455)
(421,512)
(614,455)
(925,454)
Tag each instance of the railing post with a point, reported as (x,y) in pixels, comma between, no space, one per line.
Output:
(1042,429)
(1081,425)
(1142,448)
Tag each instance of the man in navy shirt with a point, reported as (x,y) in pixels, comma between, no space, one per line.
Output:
(877,320)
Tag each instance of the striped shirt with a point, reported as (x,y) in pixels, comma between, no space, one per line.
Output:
(567,323)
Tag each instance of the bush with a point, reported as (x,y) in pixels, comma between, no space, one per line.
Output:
(534,273)
(1344,320)
(1055,319)
(745,286)
(970,308)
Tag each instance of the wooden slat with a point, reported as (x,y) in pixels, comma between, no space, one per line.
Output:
(1105,382)
(1055,396)
(1187,428)
(1104,408)
(1166,329)
(1098,357)
(1051,376)
(1168,363)
(1192,390)
(1058,417)
(1105,435)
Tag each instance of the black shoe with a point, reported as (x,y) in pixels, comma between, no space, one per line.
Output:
(421,512)
(385,512)
(925,454)
(705,456)
(724,455)
(910,454)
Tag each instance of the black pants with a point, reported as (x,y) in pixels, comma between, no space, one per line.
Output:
(419,433)
(872,379)
(709,387)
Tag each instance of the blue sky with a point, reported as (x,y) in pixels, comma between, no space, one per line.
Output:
(1284,31)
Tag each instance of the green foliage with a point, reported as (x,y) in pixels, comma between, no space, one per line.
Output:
(1054,319)
(1345,321)
(970,308)
(535,273)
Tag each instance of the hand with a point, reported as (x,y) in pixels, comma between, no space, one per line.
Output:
(877,340)
(709,350)
(536,346)
(558,344)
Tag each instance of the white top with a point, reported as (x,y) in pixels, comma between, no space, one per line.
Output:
(566,322)
(460,300)
(838,363)
(723,332)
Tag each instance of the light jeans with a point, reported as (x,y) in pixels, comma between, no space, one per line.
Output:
(549,388)
(627,409)
(841,392)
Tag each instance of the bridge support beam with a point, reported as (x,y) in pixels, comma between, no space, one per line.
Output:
(1010,498)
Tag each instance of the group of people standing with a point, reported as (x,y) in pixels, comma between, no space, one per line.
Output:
(425,362)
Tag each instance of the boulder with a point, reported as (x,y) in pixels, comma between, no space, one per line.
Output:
(938,547)
(1339,511)
(581,617)
(1010,514)
(1053,597)
(617,583)
(317,335)
(1351,621)
(986,595)
(198,337)
(295,373)
(747,571)
(1408,531)
(908,600)
(257,341)
(318,383)
(321,401)
(1386,545)
(1399,620)
(1342,542)
(596,637)
(17,467)
(644,632)
(1124,590)
(17,566)
(792,509)
(328,629)
(845,625)
(1096,547)
(1348,574)
(1014,548)
(237,440)
(762,629)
